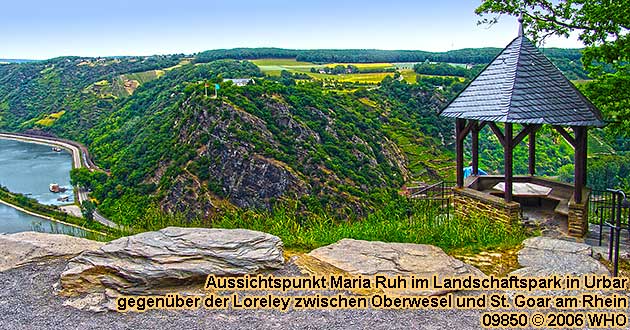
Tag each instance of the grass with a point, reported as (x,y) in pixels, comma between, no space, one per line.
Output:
(45,122)
(425,162)
(124,85)
(368,102)
(181,63)
(367,78)
(57,115)
(50,119)
(279,62)
(409,75)
(143,77)
(400,220)
(274,66)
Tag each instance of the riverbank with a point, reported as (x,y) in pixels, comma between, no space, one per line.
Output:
(74,150)
(80,158)
(50,213)
(45,217)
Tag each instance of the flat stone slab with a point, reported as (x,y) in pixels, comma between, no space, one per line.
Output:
(171,257)
(370,258)
(525,189)
(544,256)
(21,248)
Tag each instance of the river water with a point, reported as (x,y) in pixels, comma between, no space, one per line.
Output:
(29,169)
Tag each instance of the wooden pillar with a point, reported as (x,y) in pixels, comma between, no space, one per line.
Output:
(459,150)
(507,165)
(532,153)
(580,162)
(475,149)
(585,152)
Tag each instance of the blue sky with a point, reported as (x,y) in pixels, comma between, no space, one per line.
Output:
(44,29)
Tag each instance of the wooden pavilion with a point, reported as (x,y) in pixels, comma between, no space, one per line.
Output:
(521,86)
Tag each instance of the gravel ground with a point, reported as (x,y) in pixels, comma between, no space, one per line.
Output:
(27,302)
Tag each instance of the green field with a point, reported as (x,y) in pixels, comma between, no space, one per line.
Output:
(279,62)
(123,85)
(273,67)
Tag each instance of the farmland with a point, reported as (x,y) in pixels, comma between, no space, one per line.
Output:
(273,67)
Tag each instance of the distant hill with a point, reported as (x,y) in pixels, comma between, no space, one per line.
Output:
(466,56)
(9,60)
(567,60)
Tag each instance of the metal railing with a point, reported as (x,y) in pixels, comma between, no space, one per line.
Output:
(603,206)
(441,192)
(610,208)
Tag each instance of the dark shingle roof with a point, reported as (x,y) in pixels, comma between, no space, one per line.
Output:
(522,86)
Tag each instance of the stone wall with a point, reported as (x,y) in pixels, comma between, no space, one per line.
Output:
(469,202)
(578,216)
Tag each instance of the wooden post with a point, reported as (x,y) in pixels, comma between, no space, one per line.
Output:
(507,165)
(459,149)
(580,162)
(475,149)
(532,153)
(585,158)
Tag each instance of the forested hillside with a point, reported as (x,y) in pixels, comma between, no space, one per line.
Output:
(170,147)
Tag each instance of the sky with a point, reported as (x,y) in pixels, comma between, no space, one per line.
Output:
(37,29)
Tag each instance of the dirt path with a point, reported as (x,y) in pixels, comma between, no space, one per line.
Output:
(27,302)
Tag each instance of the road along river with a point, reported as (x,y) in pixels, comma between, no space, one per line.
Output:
(80,158)
(29,169)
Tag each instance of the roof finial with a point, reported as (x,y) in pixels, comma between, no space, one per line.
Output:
(520,25)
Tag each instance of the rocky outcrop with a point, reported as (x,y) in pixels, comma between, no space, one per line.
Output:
(370,258)
(232,163)
(544,256)
(172,256)
(22,248)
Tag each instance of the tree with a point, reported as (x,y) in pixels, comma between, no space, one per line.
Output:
(88,208)
(603,26)
(81,177)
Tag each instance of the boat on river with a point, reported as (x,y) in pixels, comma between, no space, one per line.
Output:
(55,188)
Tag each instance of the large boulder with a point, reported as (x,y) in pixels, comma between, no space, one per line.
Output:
(21,248)
(170,257)
(370,258)
(544,256)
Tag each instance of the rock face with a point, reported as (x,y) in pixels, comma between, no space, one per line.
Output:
(232,165)
(21,248)
(543,256)
(169,257)
(370,258)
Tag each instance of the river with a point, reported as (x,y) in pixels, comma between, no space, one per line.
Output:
(29,169)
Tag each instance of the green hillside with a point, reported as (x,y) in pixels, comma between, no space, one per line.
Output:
(297,139)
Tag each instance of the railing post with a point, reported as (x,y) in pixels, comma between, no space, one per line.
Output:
(619,198)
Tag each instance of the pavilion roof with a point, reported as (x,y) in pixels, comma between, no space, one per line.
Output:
(521,85)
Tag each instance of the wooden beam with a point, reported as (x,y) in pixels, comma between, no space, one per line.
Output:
(459,150)
(498,133)
(565,135)
(464,133)
(526,130)
(475,148)
(532,153)
(507,165)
